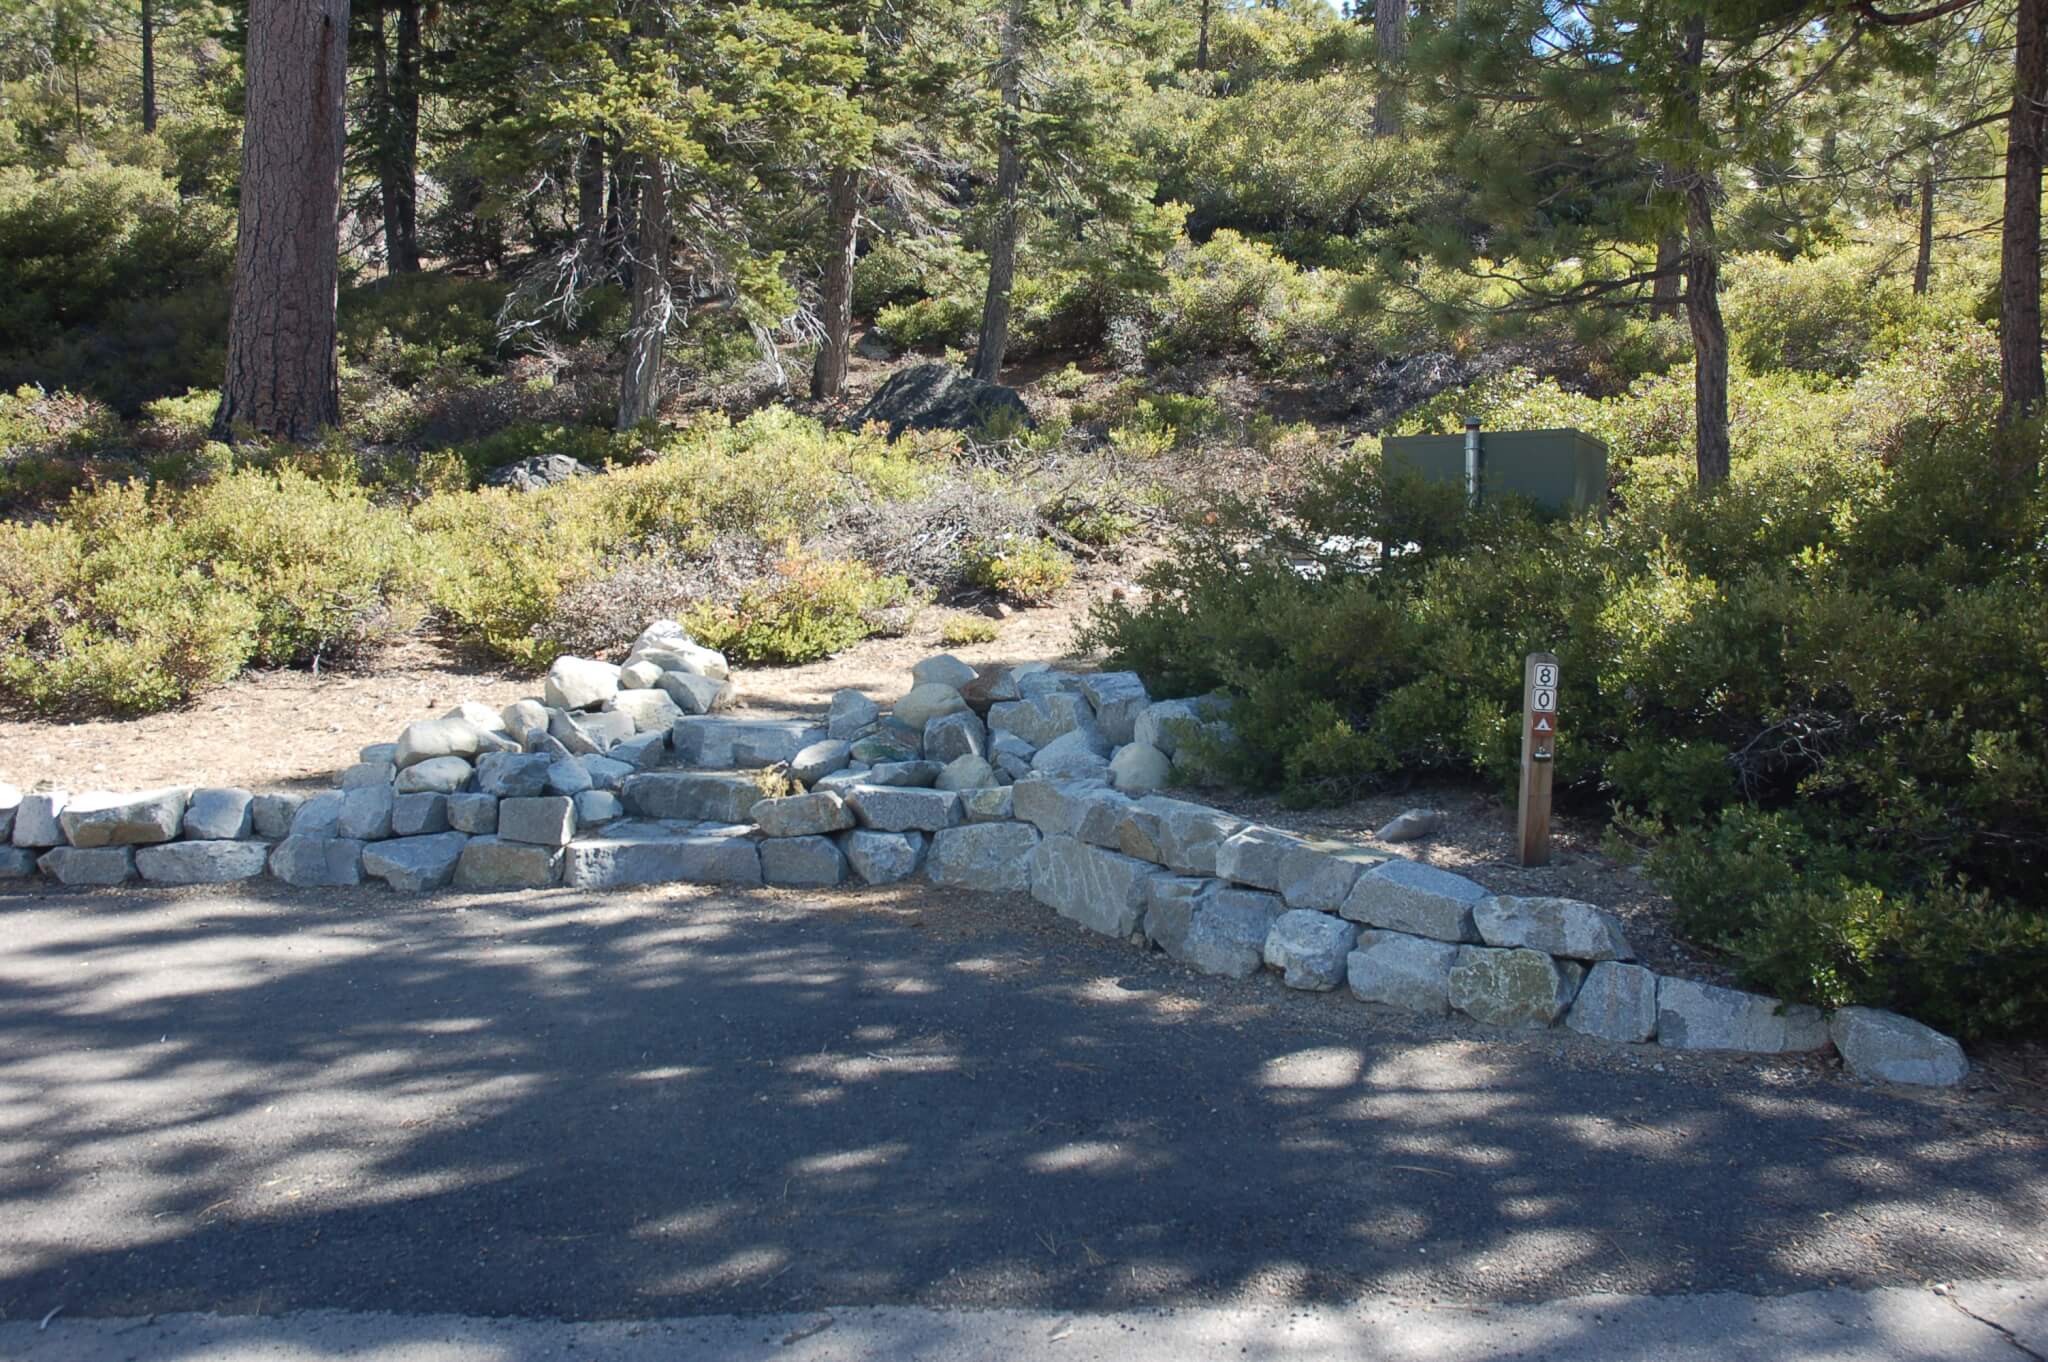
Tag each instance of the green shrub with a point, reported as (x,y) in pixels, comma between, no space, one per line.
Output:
(1027,570)
(960,631)
(808,608)
(1226,296)
(1098,524)
(1069,381)
(52,443)
(1824,315)
(1848,636)
(107,610)
(1795,907)
(930,323)
(137,599)
(502,560)
(1234,296)
(1166,421)
(111,283)
(328,571)
(408,327)
(902,268)
(179,421)
(527,439)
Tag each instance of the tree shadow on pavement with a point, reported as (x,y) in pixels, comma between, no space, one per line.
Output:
(579,1106)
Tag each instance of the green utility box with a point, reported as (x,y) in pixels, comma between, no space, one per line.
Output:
(1559,470)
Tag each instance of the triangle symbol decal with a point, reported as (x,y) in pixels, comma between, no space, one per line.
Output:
(1543,723)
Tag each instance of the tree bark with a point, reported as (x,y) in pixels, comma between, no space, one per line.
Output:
(653,303)
(283,375)
(1664,293)
(148,65)
(1703,292)
(1709,336)
(590,208)
(397,133)
(2019,263)
(1390,31)
(402,254)
(383,128)
(1202,41)
(1923,261)
(1002,245)
(623,214)
(835,294)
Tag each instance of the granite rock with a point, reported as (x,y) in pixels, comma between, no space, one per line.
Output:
(1405,896)
(219,815)
(119,820)
(436,775)
(1118,699)
(1182,836)
(89,867)
(1566,927)
(804,815)
(885,808)
(317,862)
(883,857)
(1889,1048)
(419,815)
(994,857)
(1616,1003)
(802,862)
(1513,987)
(1100,889)
(1696,1016)
(414,865)
(1310,949)
(493,863)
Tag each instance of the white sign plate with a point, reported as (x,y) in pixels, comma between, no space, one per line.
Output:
(1544,701)
(1546,675)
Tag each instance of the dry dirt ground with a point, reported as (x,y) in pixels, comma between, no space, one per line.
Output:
(281,729)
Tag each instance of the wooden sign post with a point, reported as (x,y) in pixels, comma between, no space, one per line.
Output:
(1539,752)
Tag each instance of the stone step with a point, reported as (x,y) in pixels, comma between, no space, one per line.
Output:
(720,742)
(699,796)
(636,854)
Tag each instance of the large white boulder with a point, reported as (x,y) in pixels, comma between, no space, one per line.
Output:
(580,683)
(1894,1049)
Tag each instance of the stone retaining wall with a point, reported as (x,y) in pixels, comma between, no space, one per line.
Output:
(1022,780)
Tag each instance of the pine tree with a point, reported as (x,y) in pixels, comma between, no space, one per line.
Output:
(283,373)
(709,118)
(1586,130)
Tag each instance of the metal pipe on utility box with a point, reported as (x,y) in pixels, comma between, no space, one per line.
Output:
(1471,461)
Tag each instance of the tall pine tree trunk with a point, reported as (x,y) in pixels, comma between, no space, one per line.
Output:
(835,294)
(1002,245)
(622,213)
(1670,281)
(283,375)
(385,129)
(1202,40)
(653,304)
(1923,261)
(1709,334)
(397,133)
(2019,263)
(1703,288)
(590,208)
(1390,31)
(148,65)
(403,252)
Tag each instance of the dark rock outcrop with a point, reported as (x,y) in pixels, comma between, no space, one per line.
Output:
(940,397)
(542,470)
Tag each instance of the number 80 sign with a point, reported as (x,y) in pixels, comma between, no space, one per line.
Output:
(1540,678)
